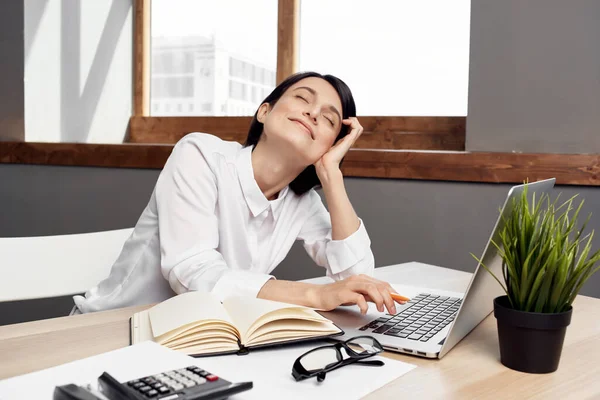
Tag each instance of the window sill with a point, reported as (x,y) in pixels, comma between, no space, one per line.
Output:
(569,169)
(390,133)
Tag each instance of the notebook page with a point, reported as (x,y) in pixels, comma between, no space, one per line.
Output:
(245,311)
(185,309)
(140,327)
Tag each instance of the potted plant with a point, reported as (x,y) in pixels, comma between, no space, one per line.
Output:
(545,262)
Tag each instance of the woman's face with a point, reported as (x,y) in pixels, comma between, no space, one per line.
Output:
(307,118)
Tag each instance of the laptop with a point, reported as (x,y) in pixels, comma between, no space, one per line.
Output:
(434,321)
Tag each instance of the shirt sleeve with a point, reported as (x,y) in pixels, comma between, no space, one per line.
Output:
(341,258)
(186,198)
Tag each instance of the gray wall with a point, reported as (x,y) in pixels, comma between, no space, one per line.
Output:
(438,223)
(11,71)
(534,83)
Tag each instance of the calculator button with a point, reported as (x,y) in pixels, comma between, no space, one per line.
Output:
(138,385)
(188,383)
(145,389)
(198,380)
(212,378)
(163,390)
(152,393)
(177,386)
(171,383)
(133,382)
(195,370)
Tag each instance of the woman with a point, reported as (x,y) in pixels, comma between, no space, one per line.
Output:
(223,216)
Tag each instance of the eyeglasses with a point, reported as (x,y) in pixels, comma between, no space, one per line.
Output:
(317,362)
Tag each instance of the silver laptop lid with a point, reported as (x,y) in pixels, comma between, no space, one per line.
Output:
(483,288)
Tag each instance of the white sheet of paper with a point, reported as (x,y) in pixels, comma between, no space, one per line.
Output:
(142,359)
(271,372)
(269,369)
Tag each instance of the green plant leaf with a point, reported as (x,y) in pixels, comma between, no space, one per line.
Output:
(490,272)
(559,280)
(524,286)
(547,282)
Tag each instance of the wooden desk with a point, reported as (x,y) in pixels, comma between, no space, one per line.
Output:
(471,370)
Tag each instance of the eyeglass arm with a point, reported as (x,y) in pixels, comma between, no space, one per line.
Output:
(368,363)
(373,363)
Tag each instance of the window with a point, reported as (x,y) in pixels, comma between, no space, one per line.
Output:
(236,90)
(236,60)
(192,39)
(169,59)
(244,92)
(235,68)
(256,73)
(172,87)
(413,56)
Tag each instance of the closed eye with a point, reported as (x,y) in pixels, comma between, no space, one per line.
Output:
(330,121)
(300,97)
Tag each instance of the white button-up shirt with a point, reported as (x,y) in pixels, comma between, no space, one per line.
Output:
(208,226)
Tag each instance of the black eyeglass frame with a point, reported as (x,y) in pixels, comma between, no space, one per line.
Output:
(300,373)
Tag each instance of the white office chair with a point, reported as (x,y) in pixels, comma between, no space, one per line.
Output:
(49,266)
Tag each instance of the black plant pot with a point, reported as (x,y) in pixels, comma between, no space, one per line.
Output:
(530,342)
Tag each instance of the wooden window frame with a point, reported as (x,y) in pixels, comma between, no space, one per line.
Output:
(391,133)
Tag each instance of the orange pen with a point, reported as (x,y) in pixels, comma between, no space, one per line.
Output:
(398,297)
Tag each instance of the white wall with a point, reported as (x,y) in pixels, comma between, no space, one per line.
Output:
(78,70)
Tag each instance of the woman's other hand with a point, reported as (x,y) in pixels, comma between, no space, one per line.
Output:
(359,290)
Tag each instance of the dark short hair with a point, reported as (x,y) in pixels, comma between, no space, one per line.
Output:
(308,178)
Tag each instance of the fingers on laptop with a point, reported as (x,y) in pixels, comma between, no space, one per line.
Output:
(348,297)
(375,291)
(390,289)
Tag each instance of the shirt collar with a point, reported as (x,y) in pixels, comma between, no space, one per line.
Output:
(256,200)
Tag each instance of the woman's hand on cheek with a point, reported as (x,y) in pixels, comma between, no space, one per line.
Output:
(330,161)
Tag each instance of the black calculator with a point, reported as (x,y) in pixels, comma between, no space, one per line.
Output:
(191,383)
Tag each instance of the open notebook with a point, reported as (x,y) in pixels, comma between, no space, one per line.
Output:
(197,323)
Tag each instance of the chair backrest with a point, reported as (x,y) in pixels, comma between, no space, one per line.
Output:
(49,266)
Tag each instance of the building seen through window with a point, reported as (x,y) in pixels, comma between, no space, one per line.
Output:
(195,76)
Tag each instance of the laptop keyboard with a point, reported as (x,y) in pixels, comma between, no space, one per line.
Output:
(419,319)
